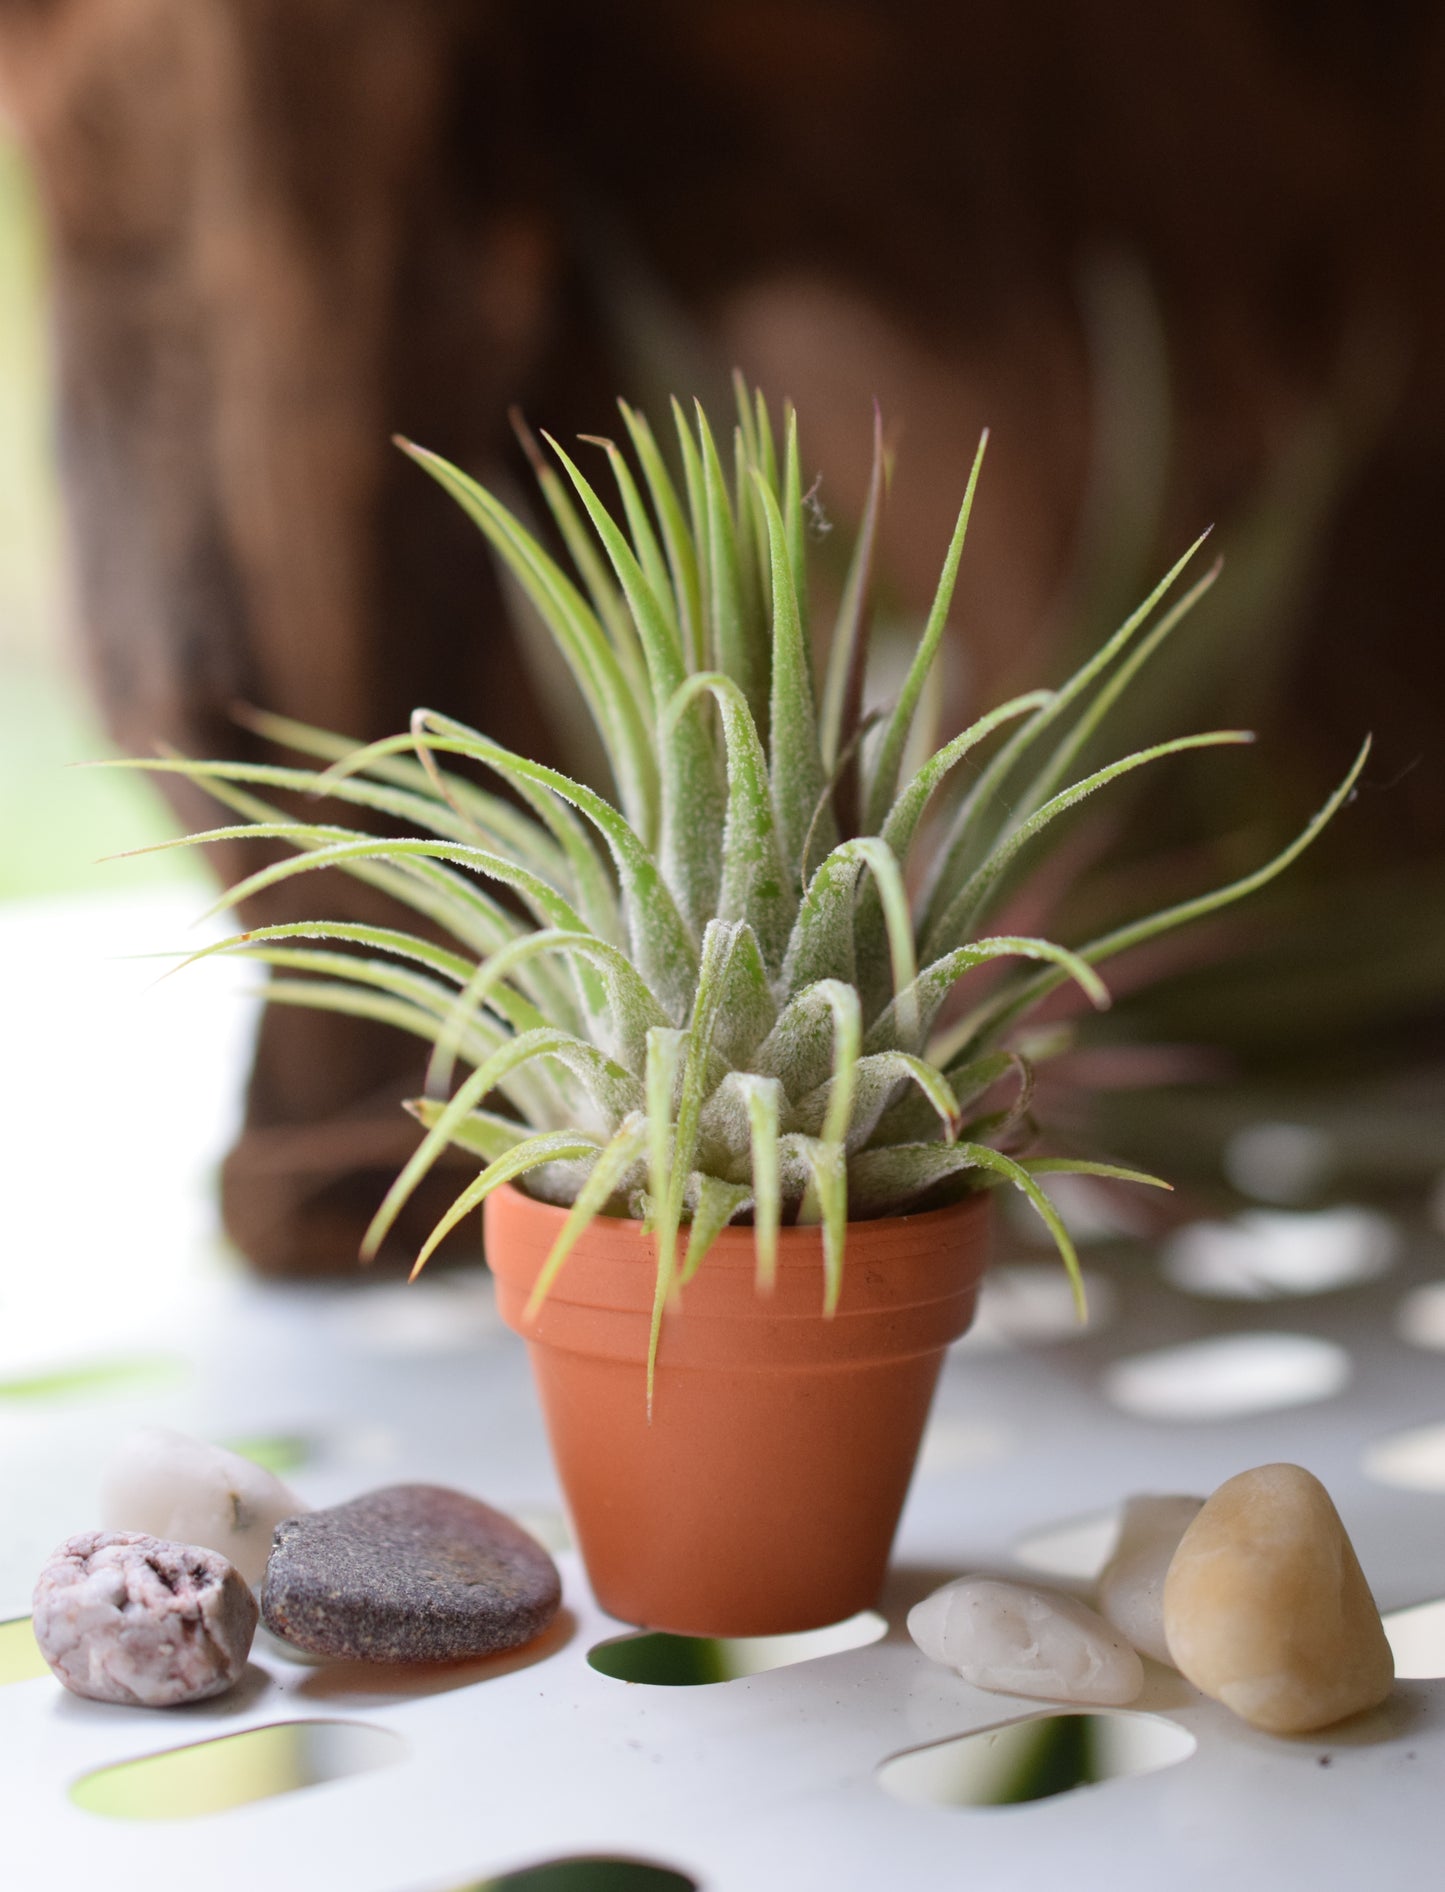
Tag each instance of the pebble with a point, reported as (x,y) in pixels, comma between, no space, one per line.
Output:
(1026,1641)
(123,1617)
(179,1488)
(413,1573)
(1131,1585)
(1266,1608)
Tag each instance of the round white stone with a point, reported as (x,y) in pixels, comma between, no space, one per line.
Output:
(1026,1641)
(1131,1586)
(174,1487)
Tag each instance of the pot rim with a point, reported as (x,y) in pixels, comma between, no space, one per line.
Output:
(733,1247)
(916,1275)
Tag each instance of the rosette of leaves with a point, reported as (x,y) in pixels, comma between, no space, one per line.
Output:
(714,996)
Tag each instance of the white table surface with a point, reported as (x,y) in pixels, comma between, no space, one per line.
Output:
(118,1097)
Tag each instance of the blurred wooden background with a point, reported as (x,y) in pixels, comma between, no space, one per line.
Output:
(1184,261)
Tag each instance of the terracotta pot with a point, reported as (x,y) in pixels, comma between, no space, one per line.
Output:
(763,1496)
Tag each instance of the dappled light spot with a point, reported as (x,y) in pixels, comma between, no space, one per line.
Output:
(1417,1641)
(1077,1549)
(94,1379)
(206,1777)
(1278,1162)
(1421,1319)
(1031,1304)
(590,1874)
(1228,1377)
(665,1661)
(1035,1759)
(20,1657)
(1267,1253)
(1413,1461)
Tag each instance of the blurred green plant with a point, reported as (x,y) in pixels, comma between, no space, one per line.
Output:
(1323,1004)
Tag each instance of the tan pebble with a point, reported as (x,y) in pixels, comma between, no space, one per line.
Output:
(1266,1608)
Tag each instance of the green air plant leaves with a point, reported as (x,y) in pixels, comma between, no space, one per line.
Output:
(602,677)
(795,759)
(966,841)
(895,735)
(842,703)
(754,886)
(627,1013)
(715,993)
(691,799)
(984,1025)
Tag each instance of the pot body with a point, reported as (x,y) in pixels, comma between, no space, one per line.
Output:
(762,1496)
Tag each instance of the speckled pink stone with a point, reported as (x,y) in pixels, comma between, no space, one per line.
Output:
(122,1617)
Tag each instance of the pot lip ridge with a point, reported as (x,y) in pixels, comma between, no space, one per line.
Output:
(918,1275)
(734,1244)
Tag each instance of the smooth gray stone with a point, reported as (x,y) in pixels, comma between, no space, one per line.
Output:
(122,1617)
(413,1573)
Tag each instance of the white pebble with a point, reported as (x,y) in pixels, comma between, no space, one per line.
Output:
(185,1491)
(1025,1641)
(1131,1586)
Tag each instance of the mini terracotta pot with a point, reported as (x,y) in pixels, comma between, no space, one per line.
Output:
(762,1497)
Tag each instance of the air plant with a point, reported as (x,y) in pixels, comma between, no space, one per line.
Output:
(716,996)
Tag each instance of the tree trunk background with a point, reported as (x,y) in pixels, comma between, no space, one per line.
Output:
(285,229)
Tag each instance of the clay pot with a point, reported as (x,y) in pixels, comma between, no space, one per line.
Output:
(763,1496)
